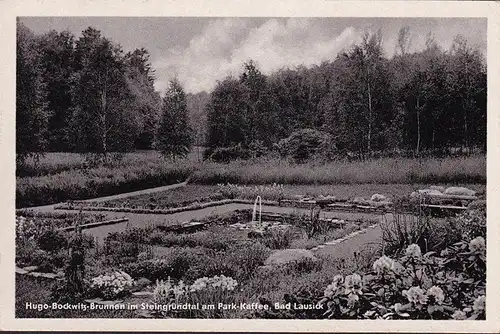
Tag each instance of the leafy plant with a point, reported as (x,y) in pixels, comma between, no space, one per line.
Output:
(418,286)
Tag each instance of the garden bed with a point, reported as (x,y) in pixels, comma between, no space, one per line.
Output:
(60,219)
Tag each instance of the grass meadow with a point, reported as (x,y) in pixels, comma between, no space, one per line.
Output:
(59,177)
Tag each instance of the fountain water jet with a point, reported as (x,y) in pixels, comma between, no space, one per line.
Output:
(254,214)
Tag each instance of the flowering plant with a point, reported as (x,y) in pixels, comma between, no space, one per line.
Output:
(416,286)
(268,192)
(29,229)
(113,285)
(217,282)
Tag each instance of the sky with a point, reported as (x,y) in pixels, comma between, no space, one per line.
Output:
(200,50)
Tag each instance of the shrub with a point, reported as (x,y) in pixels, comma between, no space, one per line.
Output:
(403,230)
(471,223)
(175,265)
(312,224)
(52,241)
(203,291)
(226,154)
(305,144)
(303,265)
(418,286)
(277,238)
(247,259)
(112,285)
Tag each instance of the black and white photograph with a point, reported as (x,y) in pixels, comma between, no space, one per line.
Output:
(229,167)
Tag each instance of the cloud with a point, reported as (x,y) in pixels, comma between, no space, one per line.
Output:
(225,44)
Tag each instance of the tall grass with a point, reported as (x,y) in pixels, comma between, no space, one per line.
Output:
(64,176)
(381,171)
(96,182)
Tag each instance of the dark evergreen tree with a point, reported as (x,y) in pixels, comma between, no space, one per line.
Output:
(174,138)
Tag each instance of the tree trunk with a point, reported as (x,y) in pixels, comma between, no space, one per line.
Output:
(418,126)
(369,120)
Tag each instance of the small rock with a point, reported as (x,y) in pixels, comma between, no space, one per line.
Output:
(441,189)
(359,200)
(142,293)
(378,198)
(460,191)
(95,300)
(284,256)
(21,271)
(48,275)
(31,268)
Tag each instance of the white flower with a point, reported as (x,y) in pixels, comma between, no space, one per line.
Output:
(415,295)
(383,265)
(437,293)
(478,245)
(352,299)
(479,304)
(397,307)
(459,315)
(414,251)
(353,284)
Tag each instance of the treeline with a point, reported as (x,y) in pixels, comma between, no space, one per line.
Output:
(361,103)
(86,95)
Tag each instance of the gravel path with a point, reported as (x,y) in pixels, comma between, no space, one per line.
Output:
(367,240)
(50,207)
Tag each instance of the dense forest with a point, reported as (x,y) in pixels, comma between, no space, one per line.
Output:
(86,94)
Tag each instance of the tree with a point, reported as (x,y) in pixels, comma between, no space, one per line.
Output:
(466,74)
(57,57)
(146,102)
(32,115)
(174,137)
(102,121)
(226,123)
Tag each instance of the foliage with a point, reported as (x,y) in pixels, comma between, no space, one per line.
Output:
(204,291)
(274,192)
(101,120)
(174,137)
(96,182)
(418,286)
(431,234)
(174,265)
(52,241)
(306,144)
(383,171)
(112,285)
(32,115)
(471,224)
(277,238)
(226,154)
(401,230)
(312,224)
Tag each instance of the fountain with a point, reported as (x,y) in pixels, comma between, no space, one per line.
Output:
(254,213)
